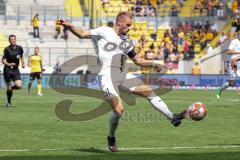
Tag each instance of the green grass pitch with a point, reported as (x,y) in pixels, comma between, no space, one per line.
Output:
(31,130)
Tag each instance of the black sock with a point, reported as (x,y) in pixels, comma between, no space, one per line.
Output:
(9,96)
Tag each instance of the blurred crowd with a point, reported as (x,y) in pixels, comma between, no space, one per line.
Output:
(173,7)
(182,41)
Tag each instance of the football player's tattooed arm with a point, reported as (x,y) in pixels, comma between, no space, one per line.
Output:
(80,33)
(146,63)
(141,61)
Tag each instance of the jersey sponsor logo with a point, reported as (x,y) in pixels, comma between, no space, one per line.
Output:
(123,46)
(110,46)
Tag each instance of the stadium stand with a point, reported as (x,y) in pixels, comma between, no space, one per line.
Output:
(2,7)
(53,50)
(29,8)
(169,8)
(186,10)
(106,7)
(167,44)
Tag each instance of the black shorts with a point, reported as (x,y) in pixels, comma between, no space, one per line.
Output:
(34,75)
(11,74)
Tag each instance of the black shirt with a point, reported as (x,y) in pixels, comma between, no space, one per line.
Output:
(13,55)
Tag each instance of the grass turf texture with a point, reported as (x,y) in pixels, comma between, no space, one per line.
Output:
(31,130)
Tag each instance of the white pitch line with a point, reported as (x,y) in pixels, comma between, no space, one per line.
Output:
(178,148)
(173,100)
(123,149)
(234,100)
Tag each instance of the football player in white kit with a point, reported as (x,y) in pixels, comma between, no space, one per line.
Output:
(113,48)
(234,68)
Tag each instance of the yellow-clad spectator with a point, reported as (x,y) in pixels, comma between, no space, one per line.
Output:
(168,36)
(202,35)
(234,6)
(196,35)
(167,39)
(181,45)
(35,26)
(153,3)
(180,48)
(197,47)
(196,69)
(181,34)
(231,35)
(209,35)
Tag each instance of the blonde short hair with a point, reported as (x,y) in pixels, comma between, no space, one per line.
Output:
(123,14)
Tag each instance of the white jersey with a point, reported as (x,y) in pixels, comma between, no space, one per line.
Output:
(113,51)
(112,48)
(235,45)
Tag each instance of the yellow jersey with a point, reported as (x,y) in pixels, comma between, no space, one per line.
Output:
(58,24)
(196,70)
(35,21)
(36,63)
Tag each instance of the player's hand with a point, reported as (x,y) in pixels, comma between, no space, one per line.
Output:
(234,65)
(66,23)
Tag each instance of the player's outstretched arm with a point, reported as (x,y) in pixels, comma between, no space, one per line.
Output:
(80,33)
(146,63)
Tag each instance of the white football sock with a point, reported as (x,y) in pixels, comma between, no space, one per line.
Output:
(113,123)
(159,105)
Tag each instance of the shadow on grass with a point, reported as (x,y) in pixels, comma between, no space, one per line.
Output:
(91,150)
(135,156)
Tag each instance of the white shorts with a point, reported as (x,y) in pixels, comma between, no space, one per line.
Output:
(234,75)
(111,85)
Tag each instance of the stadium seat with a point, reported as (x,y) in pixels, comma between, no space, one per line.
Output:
(73,8)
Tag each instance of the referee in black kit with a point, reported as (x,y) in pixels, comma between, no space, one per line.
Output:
(10,59)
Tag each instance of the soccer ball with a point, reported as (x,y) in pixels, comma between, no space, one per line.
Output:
(197,111)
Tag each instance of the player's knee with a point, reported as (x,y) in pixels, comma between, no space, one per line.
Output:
(145,91)
(18,86)
(119,111)
(148,92)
